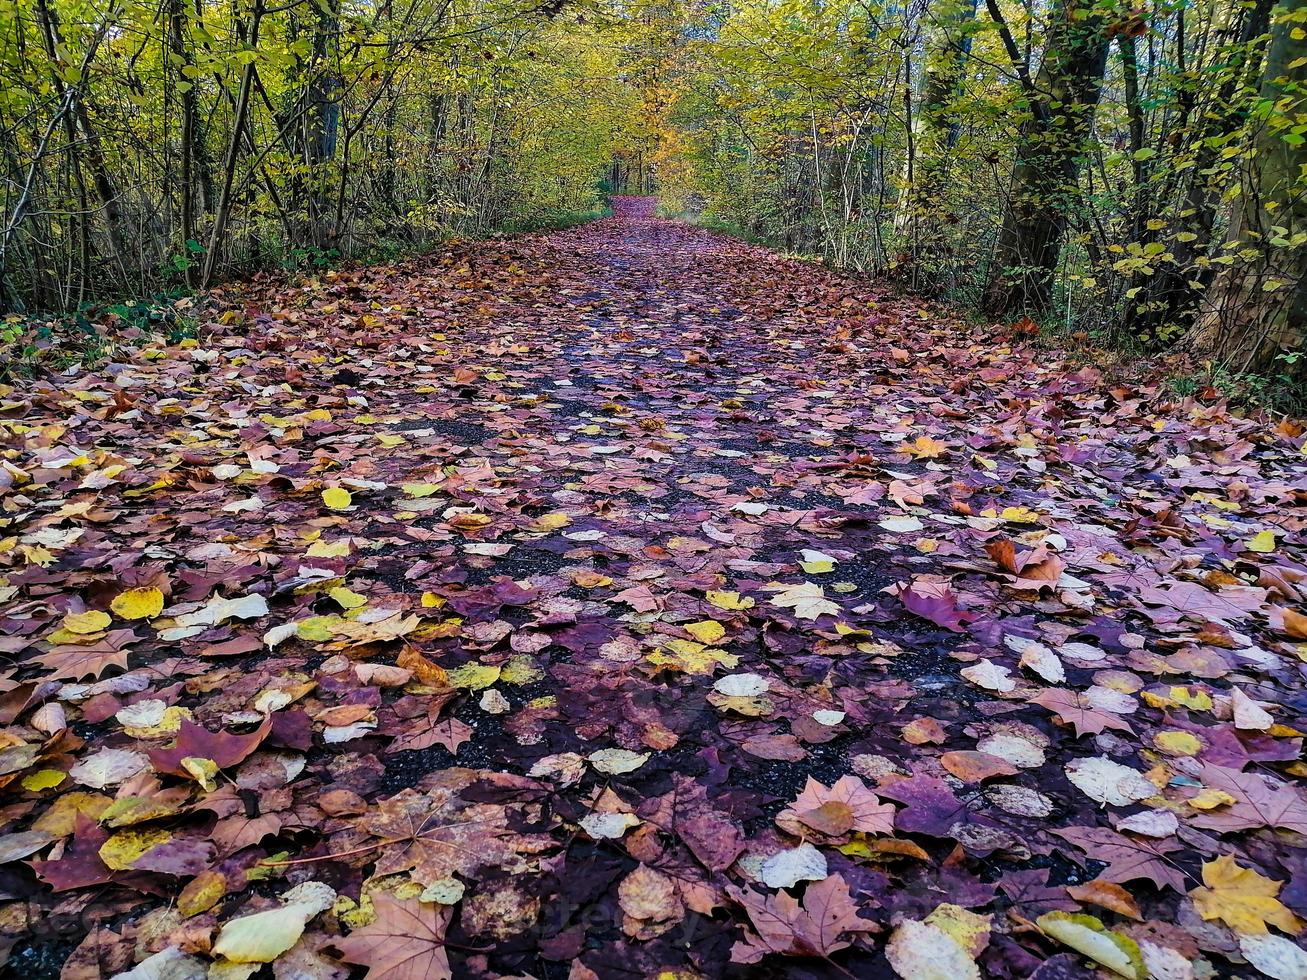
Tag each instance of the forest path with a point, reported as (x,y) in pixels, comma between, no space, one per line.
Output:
(661,536)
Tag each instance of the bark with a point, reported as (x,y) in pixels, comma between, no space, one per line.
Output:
(1168,300)
(322,121)
(223,212)
(177,43)
(84,143)
(934,133)
(1257,308)
(1050,145)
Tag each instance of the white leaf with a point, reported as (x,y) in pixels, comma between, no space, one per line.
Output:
(108,767)
(921,951)
(608,826)
(615,762)
(990,676)
(742,685)
(788,868)
(1108,782)
(1275,956)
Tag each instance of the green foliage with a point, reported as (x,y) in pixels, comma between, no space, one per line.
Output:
(824,129)
(1279,393)
(89,335)
(147,146)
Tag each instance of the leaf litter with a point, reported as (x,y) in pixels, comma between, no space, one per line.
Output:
(629,601)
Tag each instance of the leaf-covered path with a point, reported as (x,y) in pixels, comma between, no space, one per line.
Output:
(630,600)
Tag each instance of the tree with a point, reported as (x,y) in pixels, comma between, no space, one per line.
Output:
(933,134)
(1257,308)
(1059,103)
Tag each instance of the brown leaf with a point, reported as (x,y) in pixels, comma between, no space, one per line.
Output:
(406,942)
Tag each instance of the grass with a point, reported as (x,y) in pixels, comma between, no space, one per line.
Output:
(1278,394)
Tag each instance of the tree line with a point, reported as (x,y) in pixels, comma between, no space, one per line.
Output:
(1134,170)
(151,145)
(1128,170)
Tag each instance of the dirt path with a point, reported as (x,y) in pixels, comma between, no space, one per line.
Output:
(670,572)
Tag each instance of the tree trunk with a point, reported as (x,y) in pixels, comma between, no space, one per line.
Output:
(322,121)
(77,124)
(1257,309)
(933,134)
(1168,300)
(177,42)
(1051,142)
(223,212)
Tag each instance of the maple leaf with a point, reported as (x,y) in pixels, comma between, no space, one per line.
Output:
(1035,569)
(785,926)
(449,732)
(81,865)
(932,600)
(1192,599)
(438,835)
(1241,898)
(808,600)
(641,598)
(1074,708)
(1257,803)
(1127,858)
(90,660)
(405,942)
(931,809)
(835,811)
(1030,893)
(221,748)
(924,447)
(712,836)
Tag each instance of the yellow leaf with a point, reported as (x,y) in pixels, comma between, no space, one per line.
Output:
(1020,515)
(329,549)
(121,851)
(473,676)
(202,893)
(61,818)
(964,927)
(1191,698)
(551,522)
(347,598)
(1177,743)
(337,498)
(729,600)
(708,631)
(203,771)
(91,621)
(432,601)
(1085,934)
(520,669)
(1210,799)
(692,658)
(924,447)
(170,721)
(587,579)
(43,779)
(1241,898)
(419,489)
(142,603)
(1263,542)
(263,936)
(316,629)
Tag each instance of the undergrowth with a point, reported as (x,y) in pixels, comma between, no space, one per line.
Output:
(32,344)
